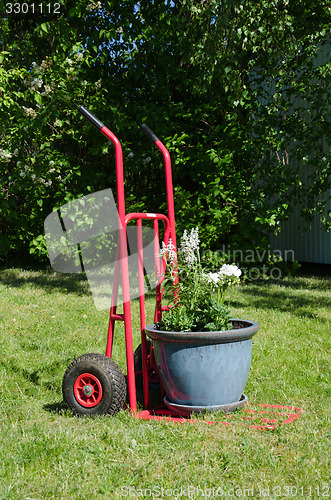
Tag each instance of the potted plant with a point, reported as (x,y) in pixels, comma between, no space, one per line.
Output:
(202,356)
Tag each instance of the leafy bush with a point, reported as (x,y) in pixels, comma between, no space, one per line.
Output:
(216,81)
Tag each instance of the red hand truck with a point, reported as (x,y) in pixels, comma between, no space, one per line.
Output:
(93,384)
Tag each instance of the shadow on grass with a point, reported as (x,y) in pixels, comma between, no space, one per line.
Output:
(58,408)
(48,280)
(287,296)
(308,269)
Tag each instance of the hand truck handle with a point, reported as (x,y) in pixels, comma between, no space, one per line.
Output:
(168,174)
(93,119)
(149,133)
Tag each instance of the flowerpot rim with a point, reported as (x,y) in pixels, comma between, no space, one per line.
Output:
(219,337)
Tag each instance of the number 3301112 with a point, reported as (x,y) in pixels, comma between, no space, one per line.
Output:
(32,8)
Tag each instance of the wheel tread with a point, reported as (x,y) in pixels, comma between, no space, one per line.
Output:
(114,374)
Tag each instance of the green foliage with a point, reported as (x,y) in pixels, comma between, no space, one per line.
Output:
(232,88)
(178,319)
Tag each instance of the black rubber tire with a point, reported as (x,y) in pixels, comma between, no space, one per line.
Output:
(108,374)
(154,388)
(138,358)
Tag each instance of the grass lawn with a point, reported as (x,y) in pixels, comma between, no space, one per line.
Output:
(49,319)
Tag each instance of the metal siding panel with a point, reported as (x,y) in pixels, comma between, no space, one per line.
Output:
(313,245)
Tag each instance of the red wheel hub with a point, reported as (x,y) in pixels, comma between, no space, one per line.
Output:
(88,390)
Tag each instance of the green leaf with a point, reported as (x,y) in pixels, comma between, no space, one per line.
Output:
(38,98)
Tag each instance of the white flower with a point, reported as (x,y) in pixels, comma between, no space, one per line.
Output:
(45,65)
(47,91)
(5,155)
(169,251)
(69,62)
(147,160)
(93,6)
(189,246)
(38,69)
(131,155)
(164,249)
(211,278)
(30,112)
(36,83)
(229,270)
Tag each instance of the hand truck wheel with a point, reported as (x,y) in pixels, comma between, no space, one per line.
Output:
(154,381)
(93,384)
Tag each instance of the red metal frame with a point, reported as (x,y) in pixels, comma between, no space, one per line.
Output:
(121,268)
(122,271)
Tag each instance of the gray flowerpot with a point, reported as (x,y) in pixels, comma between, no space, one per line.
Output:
(204,369)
